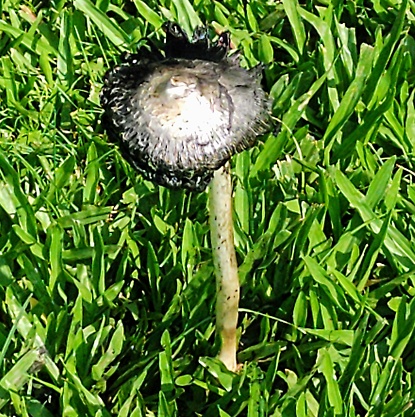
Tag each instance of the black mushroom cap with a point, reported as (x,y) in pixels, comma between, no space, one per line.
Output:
(180,115)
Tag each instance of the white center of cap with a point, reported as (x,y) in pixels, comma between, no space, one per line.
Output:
(186,105)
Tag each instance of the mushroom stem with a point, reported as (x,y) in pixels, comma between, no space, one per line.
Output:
(226,268)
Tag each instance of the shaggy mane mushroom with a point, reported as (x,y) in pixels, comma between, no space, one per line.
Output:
(179,115)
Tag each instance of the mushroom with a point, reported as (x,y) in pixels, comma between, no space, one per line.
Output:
(179,116)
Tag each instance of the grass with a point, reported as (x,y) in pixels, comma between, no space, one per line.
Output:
(106,281)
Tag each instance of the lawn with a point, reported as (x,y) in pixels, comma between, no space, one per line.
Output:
(107,293)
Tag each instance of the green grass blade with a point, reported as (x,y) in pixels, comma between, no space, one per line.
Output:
(112,31)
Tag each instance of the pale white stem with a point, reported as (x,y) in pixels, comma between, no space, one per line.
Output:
(226,268)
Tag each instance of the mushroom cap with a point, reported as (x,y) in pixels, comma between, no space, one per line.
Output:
(182,115)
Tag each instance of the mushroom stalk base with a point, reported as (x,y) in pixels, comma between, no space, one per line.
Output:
(226,269)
